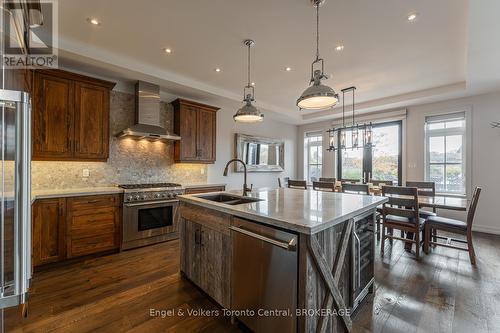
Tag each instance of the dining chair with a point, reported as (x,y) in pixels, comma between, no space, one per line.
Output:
(284,182)
(351,181)
(425,189)
(454,226)
(324,179)
(379,183)
(402,212)
(355,188)
(298,184)
(324,186)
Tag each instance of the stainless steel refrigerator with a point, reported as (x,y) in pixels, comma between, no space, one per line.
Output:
(15,198)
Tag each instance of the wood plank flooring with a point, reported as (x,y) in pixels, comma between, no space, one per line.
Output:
(115,293)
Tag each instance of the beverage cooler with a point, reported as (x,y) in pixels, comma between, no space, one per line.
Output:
(363,258)
(15,200)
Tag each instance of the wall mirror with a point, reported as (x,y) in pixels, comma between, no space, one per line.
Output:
(260,154)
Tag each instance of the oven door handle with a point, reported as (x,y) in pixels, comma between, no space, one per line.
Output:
(144,203)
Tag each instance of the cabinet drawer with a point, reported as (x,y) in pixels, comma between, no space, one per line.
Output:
(93,223)
(94,244)
(93,202)
(209,218)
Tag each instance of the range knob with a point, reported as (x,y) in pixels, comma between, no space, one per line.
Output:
(137,197)
(163,195)
(130,198)
(157,195)
(170,195)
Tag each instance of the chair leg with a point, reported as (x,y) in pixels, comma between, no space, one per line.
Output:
(427,235)
(434,234)
(470,247)
(417,244)
(377,228)
(382,243)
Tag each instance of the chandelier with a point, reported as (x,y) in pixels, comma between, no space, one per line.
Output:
(358,131)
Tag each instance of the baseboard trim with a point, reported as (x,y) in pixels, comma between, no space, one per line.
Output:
(486,229)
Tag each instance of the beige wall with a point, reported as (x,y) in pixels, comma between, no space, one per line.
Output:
(483,151)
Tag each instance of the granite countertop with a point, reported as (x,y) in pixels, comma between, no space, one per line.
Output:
(198,185)
(73,192)
(303,211)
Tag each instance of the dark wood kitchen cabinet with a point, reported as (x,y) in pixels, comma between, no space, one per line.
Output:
(203,238)
(196,125)
(48,236)
(70,116)
(64,228)
(93,225)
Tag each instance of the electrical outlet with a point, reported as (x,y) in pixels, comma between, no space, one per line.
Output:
(86,173)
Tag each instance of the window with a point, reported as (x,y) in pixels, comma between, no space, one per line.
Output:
(445,152)
(313,151)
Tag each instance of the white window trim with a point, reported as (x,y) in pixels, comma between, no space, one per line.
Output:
(467,153)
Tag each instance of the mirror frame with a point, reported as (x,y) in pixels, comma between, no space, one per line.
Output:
(241,139)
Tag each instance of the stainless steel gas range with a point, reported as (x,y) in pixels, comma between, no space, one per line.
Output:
(150,213)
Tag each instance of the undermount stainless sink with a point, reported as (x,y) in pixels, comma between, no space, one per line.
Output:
(228,199)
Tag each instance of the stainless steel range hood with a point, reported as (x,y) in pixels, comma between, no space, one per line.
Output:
(147,115)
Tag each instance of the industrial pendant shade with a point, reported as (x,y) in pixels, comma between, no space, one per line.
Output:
(317,96)
(248,113)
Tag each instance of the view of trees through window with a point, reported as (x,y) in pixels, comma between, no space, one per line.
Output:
(384,155)
(445,155)
(313,143)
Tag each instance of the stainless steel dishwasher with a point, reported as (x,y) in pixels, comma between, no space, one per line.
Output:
(264,277)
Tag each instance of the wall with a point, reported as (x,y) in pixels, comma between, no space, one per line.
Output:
(130,161)
(226,130)
(483,144)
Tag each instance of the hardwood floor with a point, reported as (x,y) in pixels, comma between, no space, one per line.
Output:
(441,293)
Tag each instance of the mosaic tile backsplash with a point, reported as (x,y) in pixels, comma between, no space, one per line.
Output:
(130,161)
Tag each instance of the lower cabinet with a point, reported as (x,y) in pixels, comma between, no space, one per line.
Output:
(206,258)
(71,227)
(48,231)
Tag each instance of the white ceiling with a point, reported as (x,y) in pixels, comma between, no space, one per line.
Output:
(387,58)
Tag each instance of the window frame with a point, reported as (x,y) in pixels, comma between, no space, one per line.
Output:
(307,145)
(445,132)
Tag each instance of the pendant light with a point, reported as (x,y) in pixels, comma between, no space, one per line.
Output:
(318,96)
(248,113)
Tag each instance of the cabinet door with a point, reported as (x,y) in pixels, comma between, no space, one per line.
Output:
(189,135)
(48,231)
(91,122)
(190,250)
(206,136)
(215,265)
(52,117)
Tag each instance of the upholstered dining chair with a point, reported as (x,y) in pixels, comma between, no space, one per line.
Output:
(355,188)
(454,226)
(402,212)
(284,182)
(298,184)
(347,180)
(379,183)
(425,189)
(324,186)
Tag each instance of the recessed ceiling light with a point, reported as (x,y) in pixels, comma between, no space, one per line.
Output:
(253,83)
(167,50)
(217,69)
(288,69)
(93,21)
(412,17)
(339,48)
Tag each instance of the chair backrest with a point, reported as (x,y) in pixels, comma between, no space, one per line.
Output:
(331,180)
(425,189)
(347,180)
(472,207)
(355,188)
(297,184)
(324,186)
(403,202)
(376,182)
(283,182)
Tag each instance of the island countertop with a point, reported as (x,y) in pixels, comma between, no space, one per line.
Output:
(303,211)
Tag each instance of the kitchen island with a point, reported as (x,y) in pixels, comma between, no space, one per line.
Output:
(281,259)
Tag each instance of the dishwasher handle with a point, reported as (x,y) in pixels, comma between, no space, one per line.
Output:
(291,245)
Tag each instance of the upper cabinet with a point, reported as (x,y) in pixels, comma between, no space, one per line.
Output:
(70,117)
(196,125)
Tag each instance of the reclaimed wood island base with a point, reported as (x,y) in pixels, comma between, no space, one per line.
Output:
(334,251)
